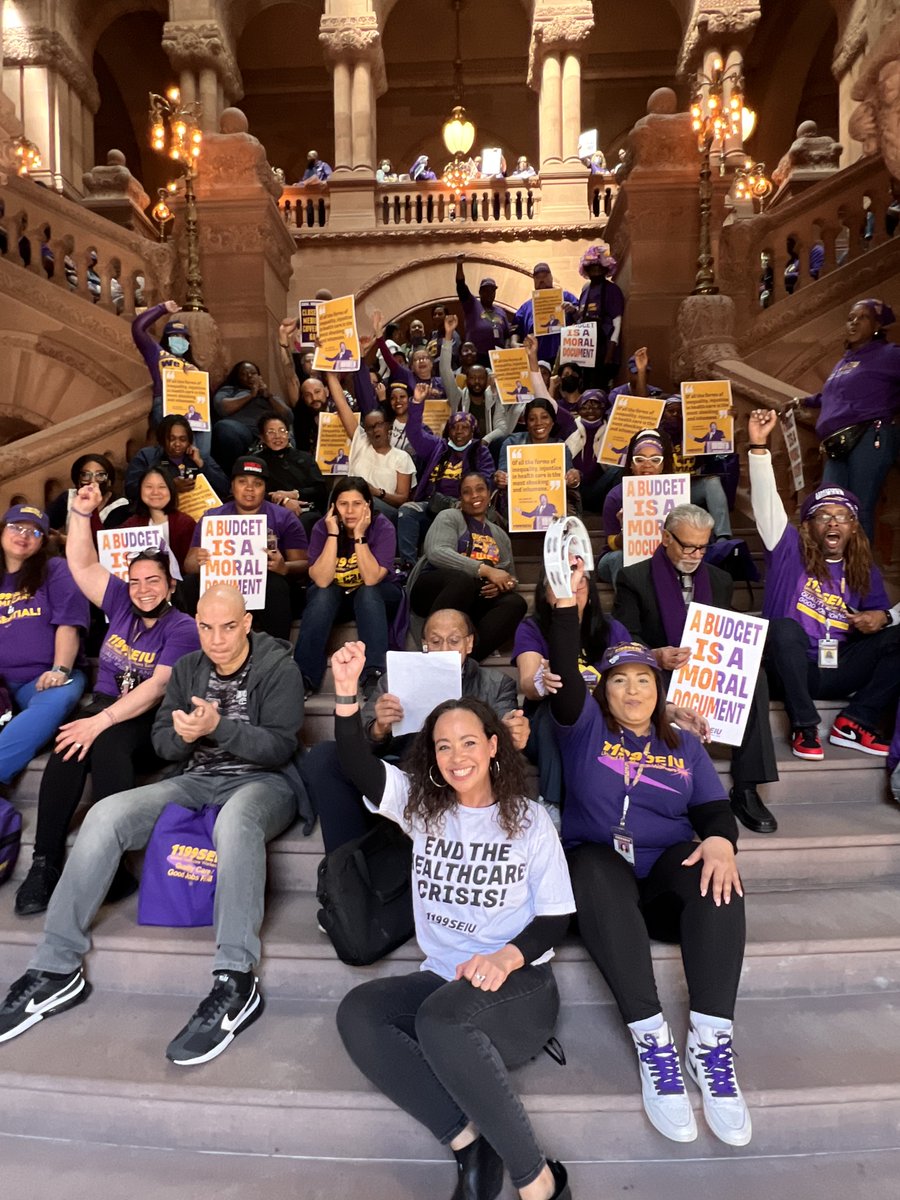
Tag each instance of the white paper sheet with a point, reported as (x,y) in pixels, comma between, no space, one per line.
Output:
(421,682)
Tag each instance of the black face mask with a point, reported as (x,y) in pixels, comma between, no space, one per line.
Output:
(568,384)
(161,609)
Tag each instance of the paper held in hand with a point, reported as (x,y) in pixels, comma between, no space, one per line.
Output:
(421,684)
(198,499)
(536,485)
(332,445)
(512,375)
(117,547)
(237,548)
(646,502)
(629,416)
(338,348)
(308,314)
(435,415)
(794,449)
(579,344)
(565,537)
(708,426)
(719,678)
(186,394)
(549,314)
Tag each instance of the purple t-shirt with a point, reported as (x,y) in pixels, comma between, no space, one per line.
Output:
(280,521)
(487,329)
(672,782)
(382,542)
(131,652)
(612,506)
(601,302)
(864,386)
(529,637)
(28,644)
(821,609)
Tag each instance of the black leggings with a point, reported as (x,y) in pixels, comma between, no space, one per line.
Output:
(495,620)
(441,1051)
(619,913)
(111,764)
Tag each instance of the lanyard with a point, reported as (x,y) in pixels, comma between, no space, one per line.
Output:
(629,782)
(825,616)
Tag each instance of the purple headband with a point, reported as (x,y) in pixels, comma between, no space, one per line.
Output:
(882,313)
(828,494)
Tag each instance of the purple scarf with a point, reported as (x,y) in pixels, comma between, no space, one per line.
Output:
(667,585)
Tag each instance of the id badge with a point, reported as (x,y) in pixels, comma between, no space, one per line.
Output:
(623,843)
(828,653)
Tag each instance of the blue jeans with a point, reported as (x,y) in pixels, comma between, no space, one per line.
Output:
(609,566)
(40,715)
(708,491)
(412,521)
(371,607)
(864,471)
(230,439)
(255,808)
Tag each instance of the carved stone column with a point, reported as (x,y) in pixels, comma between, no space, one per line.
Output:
(571,105)
(203,56)
(876,120)
(550,112)
(343,115)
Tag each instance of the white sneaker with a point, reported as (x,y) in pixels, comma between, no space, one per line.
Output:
(710,1063)
(665,1099)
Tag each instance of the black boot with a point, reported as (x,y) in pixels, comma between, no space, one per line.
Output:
(750,810)
(480,1170)
(37,887)
(561,1179)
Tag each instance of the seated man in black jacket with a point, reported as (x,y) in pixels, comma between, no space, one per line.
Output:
(342,814)
(651,602)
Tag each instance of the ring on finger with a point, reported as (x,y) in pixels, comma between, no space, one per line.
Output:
(480,978)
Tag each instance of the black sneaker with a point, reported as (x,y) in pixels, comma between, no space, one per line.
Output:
(37,887)
(234,1003)
(40,994)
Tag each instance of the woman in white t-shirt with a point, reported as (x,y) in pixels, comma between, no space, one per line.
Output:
(491,896)
(389,472)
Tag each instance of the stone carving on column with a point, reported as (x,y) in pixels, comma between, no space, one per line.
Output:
(234,154)
(876,122)
(354,38)
(114,182)
(41,47)
(192,45)
(705,334)
(557,27)
(811,157)
(715,22)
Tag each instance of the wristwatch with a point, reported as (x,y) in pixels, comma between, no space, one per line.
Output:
(67,671)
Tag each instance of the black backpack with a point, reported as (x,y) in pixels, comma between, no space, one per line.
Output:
(365,892)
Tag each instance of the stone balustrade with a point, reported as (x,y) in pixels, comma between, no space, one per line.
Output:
(78,250)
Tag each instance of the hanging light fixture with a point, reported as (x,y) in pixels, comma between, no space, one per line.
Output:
(26,154)
(458,131)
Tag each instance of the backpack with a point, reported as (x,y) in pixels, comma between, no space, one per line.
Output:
(365,892)
(178,882)
(10,839)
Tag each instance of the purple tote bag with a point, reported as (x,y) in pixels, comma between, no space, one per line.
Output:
(178,882)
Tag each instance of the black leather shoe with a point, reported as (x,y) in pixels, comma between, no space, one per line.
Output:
(750,810)
(480,1170)
(561,1179)
(37,887)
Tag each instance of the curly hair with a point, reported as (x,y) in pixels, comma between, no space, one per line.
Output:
(857,559)
(428,802)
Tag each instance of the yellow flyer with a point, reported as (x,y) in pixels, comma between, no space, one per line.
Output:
(629,416)
(186,394)
(708,423)
(332,445)
(549,314)
(198,499)
(512,375)
(338,348)
(536,487)
(435,415)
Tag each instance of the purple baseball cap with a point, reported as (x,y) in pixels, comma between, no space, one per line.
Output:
(31,514)
(539,267)
(828,494)
(628,652)
(487,282)
(176,327)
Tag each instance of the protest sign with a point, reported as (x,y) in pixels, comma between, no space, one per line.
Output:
(629,416)
(186,394)
(587,143)
(338,348)
(512,375)
(549,314)
(708,423)
(332,445)
(308,314)
(117,547)
(435,415)
(719,678)
(646,502)
(237,555)
(536,487)
(794,449)
(565,536)
(421,691)
(199,499)
(579,344)
(491,162)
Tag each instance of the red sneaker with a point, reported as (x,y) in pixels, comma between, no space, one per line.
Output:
(805,743)
(845,732)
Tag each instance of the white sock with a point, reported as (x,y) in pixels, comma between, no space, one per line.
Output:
(648,1025)
(698,1019)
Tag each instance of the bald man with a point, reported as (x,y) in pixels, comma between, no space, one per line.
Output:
(228,721)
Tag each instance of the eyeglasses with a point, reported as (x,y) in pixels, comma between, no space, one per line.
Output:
(26,531)
(687,548)
(374,424)
(645,460)
(825,518)
(276,429)
(455,641)
(98,476)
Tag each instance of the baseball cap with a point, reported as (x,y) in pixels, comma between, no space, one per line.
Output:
(828,494)
(628,652)
(176,327)
(487,282)
(541,266)
(27,512)
(250,464)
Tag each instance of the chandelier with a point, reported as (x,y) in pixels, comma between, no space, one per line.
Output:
(458,131)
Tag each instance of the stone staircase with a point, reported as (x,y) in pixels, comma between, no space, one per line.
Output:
(90,1096)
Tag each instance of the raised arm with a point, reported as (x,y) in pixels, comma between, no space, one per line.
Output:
(364,770)
(81,555)
(341,407)
(566,703)
(768,510)
(448,375)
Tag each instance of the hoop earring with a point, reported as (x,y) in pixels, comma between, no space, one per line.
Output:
(434,782)
(495,763)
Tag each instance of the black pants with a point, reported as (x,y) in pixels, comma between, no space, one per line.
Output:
(495,620)
(619,913)
(342,814)
(441,1051)
(868,671)
(276,617)
(110,762)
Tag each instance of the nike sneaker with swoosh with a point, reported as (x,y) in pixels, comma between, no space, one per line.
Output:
(847,732)
(234,1003)
(40,994)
